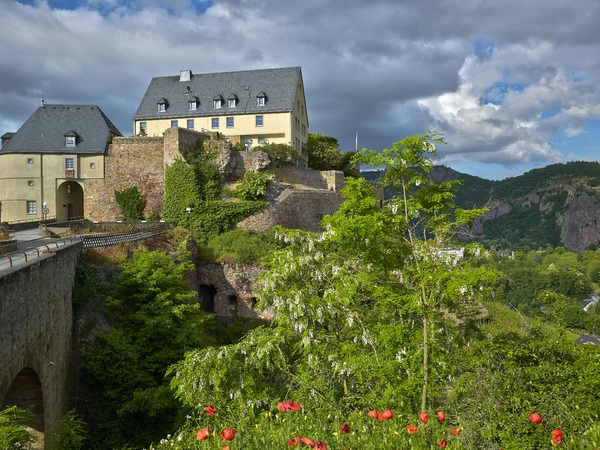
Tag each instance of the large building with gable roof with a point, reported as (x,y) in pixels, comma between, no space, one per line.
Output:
(44,165)
(254,107)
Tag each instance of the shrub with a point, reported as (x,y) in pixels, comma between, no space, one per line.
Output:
(253,186)
(241,246)
(280,152)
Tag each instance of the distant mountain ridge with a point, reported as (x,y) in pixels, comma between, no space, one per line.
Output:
(558,205)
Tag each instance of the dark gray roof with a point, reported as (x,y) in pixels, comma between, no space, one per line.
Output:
(278,85)
(588,339)
(45,130)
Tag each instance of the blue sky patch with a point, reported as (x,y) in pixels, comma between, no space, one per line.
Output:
(105,8)
(484,48)
(496,93)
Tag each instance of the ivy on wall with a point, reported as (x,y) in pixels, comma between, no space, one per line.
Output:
(131,202)
(191,198)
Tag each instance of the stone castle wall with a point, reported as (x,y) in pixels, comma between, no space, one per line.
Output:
(301,209)
(136,161)
(36,327)
(230,289)
(130,161)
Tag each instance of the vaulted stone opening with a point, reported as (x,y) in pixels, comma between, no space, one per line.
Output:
(206,294)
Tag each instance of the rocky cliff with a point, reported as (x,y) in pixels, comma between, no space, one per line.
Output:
(556,205)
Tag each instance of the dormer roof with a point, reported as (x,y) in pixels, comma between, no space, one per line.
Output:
(46,129)
(278,85)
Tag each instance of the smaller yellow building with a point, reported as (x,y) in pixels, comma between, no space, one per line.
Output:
(44,165)
(255,107)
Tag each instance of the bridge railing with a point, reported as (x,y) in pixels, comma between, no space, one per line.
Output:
(25,255)
(129,232)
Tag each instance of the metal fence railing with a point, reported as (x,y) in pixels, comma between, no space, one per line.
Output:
(113,233)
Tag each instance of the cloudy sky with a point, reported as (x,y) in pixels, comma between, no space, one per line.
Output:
(512,84)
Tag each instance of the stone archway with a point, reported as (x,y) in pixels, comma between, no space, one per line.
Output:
(26,392)
(69,201)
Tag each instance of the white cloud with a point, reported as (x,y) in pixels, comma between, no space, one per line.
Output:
(502,80)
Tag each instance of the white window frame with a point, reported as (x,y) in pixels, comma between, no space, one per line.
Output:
(193,105)
(69,162)
(260,119)
(162,107)
(29,160)
(31,207)
(260,101)
(217,104)
(70,141)
(230,122)
(231,103)
(190,122)
(214,123)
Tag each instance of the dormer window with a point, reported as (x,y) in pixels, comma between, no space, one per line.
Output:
(232,101)
(71,139)
(193,103)
(162,105)
(261,99)
(218,102)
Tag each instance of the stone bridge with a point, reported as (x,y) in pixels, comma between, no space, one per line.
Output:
(37,369)
(36,340)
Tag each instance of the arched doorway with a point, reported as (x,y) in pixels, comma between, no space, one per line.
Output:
(69,201)
(26,392)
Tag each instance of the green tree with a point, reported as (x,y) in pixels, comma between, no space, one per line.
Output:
(155,319)
(429,221)
(323,153)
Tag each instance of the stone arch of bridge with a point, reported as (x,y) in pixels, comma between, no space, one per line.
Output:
(23,388)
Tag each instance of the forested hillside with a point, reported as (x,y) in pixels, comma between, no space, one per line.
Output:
(553,206)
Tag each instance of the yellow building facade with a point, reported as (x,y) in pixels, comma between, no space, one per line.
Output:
(255,107)
(44,165)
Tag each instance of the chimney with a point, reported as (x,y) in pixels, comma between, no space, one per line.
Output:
(185,75)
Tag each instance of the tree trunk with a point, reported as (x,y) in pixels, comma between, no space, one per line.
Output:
(425,363)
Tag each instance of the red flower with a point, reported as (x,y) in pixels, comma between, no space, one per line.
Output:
(320,446)
(345,428)
(289,406)
(411,429)
(308,441)
(455,431)
(293,441)
(210,409)
(387,414)
(441,416)
(443,443)
(226,447)
(228,434)
(535,418)
(202,434)
(557,436)
(373,413)
(423,417)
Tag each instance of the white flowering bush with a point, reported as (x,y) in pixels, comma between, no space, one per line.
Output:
(358,308)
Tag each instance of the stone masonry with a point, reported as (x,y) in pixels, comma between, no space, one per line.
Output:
(36,333)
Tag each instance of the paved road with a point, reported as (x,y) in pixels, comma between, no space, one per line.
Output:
(30,245)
